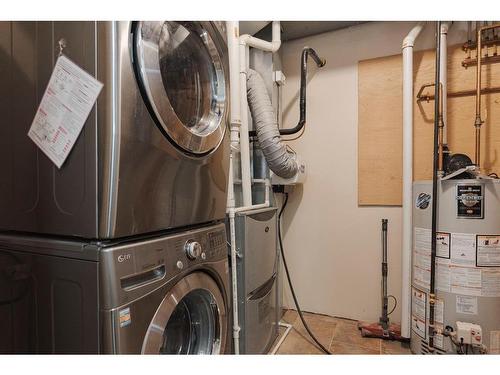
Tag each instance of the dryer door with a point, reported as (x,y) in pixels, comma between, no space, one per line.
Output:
(180,67)
(191,319)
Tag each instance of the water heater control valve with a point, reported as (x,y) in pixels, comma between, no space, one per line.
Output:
(193,249)
(469,333)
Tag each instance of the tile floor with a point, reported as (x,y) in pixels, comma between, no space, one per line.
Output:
(340,336)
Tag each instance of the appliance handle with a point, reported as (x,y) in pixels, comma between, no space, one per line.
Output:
(143,278)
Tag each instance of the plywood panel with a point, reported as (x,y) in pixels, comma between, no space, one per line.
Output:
(379,131)
(379,168)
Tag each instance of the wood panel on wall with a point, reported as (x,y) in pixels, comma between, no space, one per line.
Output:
(380,122)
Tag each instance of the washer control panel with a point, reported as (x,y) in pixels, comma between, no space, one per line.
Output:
(131,268)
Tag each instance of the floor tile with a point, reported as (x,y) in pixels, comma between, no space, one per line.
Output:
(347,332)
(290,316)
(322,327)
(295,343)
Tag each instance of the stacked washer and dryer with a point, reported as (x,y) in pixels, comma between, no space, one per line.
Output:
(123,249)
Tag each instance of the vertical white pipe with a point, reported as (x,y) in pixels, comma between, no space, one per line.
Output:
(235,123)
(408,43)
(234,77)
(246,179)
(444,75)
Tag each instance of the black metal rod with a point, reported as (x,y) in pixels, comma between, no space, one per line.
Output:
(384,318)
(306,52)
(432,287)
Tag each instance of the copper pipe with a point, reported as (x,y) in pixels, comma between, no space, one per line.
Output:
(458,94)
(478,121)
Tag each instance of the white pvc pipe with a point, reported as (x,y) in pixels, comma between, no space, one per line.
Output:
(408,43)
(234,84)
(443,75)
(246,183)
(282,338)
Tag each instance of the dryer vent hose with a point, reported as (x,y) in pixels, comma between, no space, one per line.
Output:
(278,158)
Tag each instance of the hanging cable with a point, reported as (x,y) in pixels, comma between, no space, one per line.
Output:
(299,311)
(395,303)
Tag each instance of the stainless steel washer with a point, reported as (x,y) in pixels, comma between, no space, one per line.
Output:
(153,154)
(161,295)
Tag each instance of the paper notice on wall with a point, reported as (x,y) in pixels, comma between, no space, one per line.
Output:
(443,243)
(488,251)
(422,240)
(64,108)
(463,249)
(418,312)
(466,280)
(494,342)
(466,305)
(490,283)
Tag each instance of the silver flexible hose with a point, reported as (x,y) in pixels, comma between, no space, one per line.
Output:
(278,158)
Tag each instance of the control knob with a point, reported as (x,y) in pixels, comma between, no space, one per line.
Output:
(193,249)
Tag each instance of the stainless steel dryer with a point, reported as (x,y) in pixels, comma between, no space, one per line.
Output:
(153,154)
(161,295)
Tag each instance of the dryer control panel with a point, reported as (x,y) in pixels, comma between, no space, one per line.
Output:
(128,271)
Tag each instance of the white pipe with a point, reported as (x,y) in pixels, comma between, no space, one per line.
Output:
(282,338)
(408,43)
(234,283)
(443,75)
(246,183)
(263,45)
(234,71)
(261,205)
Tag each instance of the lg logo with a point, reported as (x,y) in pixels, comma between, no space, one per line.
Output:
(123,257)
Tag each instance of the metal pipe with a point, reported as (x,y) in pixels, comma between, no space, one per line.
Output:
(384,319)
(444,78)
(407,50)
(432,287)
(478,121)
(441,126)
(303,84)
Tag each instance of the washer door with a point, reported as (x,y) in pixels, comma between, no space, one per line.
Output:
(191,319)
(180,70)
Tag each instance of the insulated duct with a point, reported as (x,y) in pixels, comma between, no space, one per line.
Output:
(279,160)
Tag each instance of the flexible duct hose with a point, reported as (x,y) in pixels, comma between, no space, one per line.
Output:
(279,160)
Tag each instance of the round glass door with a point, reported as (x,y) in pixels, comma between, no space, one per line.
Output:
(181,71)
(190,320)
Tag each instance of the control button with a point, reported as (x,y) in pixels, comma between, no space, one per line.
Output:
(203,256)
(180,265)
(193,249)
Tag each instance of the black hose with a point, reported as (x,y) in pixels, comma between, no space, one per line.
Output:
(432,289)
(299,311)
(395,304)
(303,83)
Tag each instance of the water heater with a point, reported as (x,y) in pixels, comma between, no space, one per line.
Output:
(467,278)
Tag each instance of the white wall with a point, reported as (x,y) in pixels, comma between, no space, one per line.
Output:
(333,246)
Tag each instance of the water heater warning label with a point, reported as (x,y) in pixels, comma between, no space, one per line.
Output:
(418,312)
(470,201)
